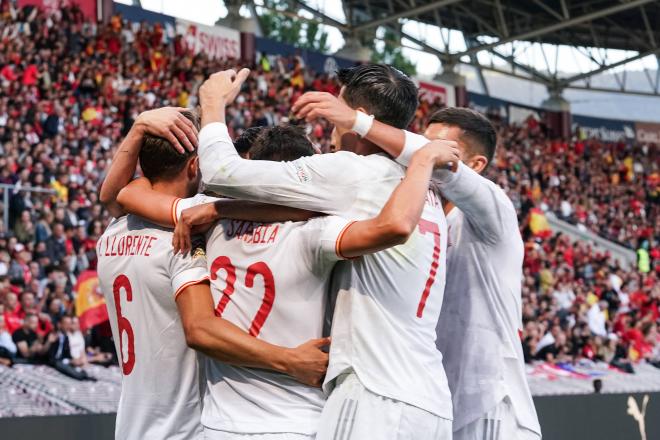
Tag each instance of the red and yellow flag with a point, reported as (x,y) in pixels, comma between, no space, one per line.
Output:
(90,304)
(538,223)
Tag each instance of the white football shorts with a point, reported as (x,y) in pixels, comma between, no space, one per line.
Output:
(354,413)
(498,424)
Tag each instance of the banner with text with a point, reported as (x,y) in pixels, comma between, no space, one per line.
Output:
(647,132)
(609,130)
(217,42)
(432,91)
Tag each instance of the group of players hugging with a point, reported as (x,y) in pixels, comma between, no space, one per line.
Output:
(373,293)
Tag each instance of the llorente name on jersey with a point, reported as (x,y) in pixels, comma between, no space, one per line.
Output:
(126,245)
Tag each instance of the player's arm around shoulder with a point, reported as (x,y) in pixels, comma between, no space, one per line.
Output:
(485,206)
(222,340)
(402,212)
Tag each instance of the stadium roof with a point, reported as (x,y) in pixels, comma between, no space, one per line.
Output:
(498,27)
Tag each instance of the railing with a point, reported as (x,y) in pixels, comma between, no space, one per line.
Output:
(6,189)
(624,255)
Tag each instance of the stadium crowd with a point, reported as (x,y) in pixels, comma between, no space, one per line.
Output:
(69,91)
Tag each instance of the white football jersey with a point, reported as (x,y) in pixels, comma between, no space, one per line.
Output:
(388,303)
(271,280)
(140,277)
(481,320)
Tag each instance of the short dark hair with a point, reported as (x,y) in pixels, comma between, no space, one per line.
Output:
(385,92)
(478,132)
(281,143)
(158,158)
(245,141)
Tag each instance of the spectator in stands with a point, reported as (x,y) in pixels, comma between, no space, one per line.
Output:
(7,345)
(65,106)
(32,348)
(76,343)
(59,354)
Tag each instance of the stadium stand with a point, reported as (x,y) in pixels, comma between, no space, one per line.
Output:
(70,90)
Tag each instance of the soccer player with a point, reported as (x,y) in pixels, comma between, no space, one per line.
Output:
(287,301)
(153,295)
(480,322)
(385,372)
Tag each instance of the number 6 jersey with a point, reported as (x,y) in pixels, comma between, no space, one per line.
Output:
(140,278)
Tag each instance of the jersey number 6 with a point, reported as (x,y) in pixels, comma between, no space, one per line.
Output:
(124,325)
(259,268)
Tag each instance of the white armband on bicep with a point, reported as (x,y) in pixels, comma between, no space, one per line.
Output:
(412,143)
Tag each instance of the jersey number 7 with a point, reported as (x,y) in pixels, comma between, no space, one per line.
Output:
(259,268)
(424,227)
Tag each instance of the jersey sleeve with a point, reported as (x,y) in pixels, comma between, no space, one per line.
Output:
(484,204)
(323,182)
(180,204)
(322,237)
(188,270)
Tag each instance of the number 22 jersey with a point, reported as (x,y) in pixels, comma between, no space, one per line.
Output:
(140,278)
(271,280)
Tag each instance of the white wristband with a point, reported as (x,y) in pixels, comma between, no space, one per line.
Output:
(412,143)
(363,123)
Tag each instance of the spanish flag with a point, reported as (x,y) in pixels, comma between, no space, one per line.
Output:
(538,223)
(90,304)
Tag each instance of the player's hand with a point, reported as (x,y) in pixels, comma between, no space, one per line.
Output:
(307,363)
(443,153)
(314,105)
(192,220)
(181,238)
(222,87)
(168,123)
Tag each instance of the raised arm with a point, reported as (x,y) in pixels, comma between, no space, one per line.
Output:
(483,203)
(222,340)
(322,183)
(166,122)
(400,215)
(314,105)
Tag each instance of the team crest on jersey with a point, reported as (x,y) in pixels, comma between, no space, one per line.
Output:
(198,253)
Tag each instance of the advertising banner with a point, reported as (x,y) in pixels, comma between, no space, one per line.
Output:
(488,105)
(137,15)
(431,91)
(88,7)
(609,130)
(647,132)
(217,42)
(316,61)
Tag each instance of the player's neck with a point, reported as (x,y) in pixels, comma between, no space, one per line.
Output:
(447,206)
(364,148)
(177,188)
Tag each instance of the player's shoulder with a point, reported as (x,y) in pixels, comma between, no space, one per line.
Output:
(347,157)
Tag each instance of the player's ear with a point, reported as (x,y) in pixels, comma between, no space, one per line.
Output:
(477,162)
(363,110)
(193,167)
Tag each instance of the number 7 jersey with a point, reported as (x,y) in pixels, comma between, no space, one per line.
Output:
(140,278)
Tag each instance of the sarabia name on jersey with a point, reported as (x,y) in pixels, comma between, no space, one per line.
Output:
(252,233)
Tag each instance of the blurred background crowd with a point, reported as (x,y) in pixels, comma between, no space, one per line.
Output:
(69,91)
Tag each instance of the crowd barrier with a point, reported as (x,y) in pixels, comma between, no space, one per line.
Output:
(577,417)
